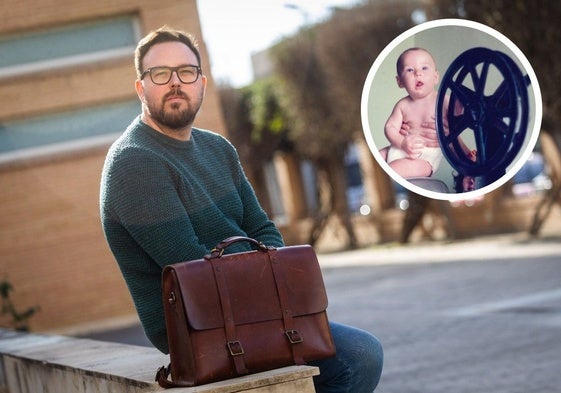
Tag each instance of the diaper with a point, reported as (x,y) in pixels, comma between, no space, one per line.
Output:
(433,155)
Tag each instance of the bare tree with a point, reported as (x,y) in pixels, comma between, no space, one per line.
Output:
(315,128)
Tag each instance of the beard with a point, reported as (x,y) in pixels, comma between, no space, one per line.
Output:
(174,117)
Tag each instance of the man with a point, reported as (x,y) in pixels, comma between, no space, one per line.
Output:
(170,192)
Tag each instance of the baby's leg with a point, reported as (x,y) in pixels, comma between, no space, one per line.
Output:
(408,167)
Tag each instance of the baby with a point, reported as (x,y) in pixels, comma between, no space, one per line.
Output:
(416,72)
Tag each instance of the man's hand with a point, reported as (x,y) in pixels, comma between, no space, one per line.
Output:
(415,138)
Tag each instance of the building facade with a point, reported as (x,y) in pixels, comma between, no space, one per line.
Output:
(67,91)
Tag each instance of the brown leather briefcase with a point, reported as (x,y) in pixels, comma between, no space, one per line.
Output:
(235,314)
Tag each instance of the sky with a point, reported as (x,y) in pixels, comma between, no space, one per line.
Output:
(234,30)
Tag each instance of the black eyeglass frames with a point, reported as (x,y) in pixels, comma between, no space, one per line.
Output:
(162,75)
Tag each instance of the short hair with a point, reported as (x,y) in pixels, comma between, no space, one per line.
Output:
(399,63)
(163,34)
(458,182)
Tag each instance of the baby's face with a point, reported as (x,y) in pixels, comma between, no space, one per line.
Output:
(418,75)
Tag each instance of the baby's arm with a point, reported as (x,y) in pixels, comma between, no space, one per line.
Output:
(393,125)
(410,144)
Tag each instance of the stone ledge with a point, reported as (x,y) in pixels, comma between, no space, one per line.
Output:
(30,362)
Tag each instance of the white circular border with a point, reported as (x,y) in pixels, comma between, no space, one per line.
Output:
(521,158)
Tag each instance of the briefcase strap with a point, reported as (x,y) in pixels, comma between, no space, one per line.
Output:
(290,331)
(234,345)
(162,378)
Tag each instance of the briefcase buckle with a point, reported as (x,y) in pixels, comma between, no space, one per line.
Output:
(294,337)
(235,348)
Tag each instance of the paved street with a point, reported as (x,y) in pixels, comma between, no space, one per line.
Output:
(472,316)
(479,316)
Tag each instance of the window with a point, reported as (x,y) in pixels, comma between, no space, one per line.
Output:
(68,46)
(62,47)
(65,131)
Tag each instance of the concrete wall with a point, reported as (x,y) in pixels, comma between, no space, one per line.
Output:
(31,363)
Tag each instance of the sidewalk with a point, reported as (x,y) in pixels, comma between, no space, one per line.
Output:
(498,246)
(503,246)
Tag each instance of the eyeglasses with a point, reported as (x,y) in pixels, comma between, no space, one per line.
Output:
(162,75)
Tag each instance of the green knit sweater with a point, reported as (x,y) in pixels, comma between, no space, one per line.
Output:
(165,201)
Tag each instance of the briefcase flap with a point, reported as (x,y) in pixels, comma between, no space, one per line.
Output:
(251,286)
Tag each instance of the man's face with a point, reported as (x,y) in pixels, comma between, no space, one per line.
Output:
(468,183)
(175,104)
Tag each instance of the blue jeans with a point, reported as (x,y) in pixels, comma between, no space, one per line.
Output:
(357,366)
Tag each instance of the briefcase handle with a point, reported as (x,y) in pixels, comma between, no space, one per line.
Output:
(217,251)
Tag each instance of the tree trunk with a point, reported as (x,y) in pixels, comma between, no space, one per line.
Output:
(332,186)
(325,204)
(338,177)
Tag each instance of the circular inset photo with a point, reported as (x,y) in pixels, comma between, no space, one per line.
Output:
(451,109)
